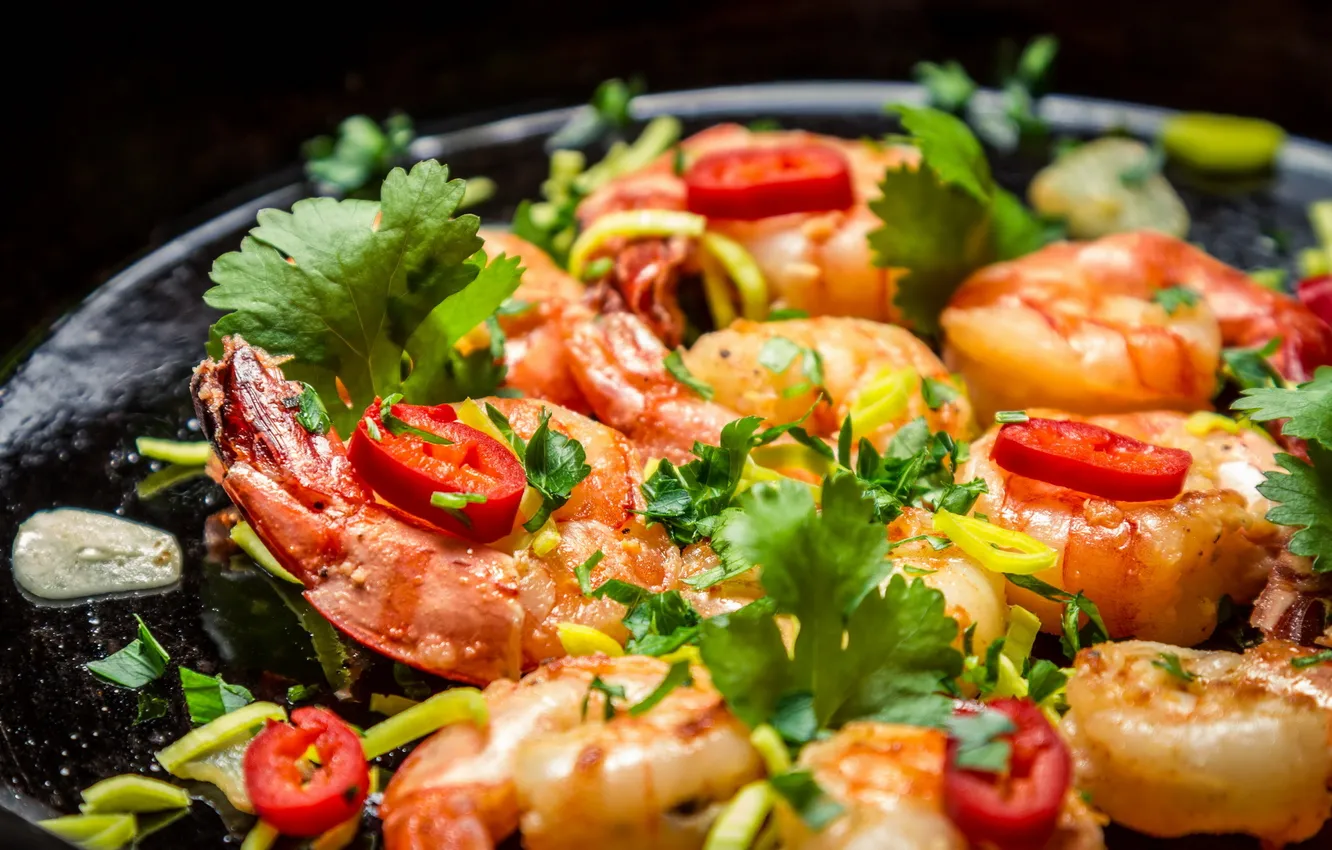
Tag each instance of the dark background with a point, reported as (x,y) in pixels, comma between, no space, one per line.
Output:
(123,128)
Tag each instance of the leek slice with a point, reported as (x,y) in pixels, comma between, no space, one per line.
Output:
(744,273)
(717,292)
(631,224)
(1023,626)
(883,401)
(242,722)
(460,705)
(739,823)
(262,837)
(390,705)
(585,640)
(174,451)
(771,748)
(244,537)
(94,832)
(133,793)
(997,549)
(1226,144)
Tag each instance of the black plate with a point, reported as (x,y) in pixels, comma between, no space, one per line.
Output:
(116,368)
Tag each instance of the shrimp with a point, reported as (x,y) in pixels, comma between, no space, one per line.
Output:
(1075,326)
(397,584)
(817,262)
(534,347)
(1239,744)
(1156,570)
(618,364)
(890,781)
(550,763)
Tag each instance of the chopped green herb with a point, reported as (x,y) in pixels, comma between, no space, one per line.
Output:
(611,692)
(454,504)
(676,677)
(598,268)
(150,707)
(786,314)
(763,125)
(1170,663)
(141,661)
(1044,680)
(310,410)
(360,157)
(658,623)
(979,746)
(1321,657)
(1171,298)
(208,697)
(810,801)
(1249,368)
(778,353)
(938,393)
(1005,417)
(583,572)
(1033,66)
(301,693)
(1149,166)
(555,464)
(1273,279)
(398,427)
(676,366)
(410,681)
(1075,606)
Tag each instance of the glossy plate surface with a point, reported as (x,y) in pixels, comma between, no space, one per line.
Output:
(117,368)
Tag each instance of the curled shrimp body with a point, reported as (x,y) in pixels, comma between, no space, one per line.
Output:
(397,584)
(1075,326)
(534,346)
(551,763)
(1239,744)
(1156,570)
(618,364)
(889,780)
(817,262)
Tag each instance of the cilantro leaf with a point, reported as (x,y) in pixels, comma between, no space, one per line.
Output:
(360,156)
(948,86)
(1045,679)
(810,801)
(677,676)
(310,410)
(979,746)
(150,707)
(141,661)
(950,149)
(344,286)
(208,697)
(747,660)
(1249,368)
(583,572)
(1075,607)
(1304,493)
(657,622)
(676,366)
(1307,407)
(1172,298)
(301,693)
(555,464)
(778,353)
(689,500)
(1170,663)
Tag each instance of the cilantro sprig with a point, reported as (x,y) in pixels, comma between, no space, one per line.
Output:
(555,463)
(1076,606)
(353,289)
(353,163)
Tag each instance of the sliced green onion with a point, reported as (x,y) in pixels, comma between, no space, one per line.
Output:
(717,292)
(262,837)
(1009,682)
(1320,214)
(174,451)
(1222,143)
(739,823)
(244,537)
(584,640)
(132,793)
(167,476)
(744,273)
(94,832)
(657,137)
(1023,626)
(993,546)
(883,401)
(771,748)
(460,705)
(631,224)
(225,768)
(752,474)
(685,653)
(222,731)
(390,705)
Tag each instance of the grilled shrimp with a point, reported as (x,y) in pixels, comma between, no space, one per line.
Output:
(1157,569)
(397,584)
(534,346)
(1240,746)
(1074,326)
(618,364)
(890,781)
(817,262)
(550,763)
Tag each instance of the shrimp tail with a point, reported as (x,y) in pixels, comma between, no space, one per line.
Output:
(1294,604)
(647,274)
(397,585)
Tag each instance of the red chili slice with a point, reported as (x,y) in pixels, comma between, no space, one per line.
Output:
(1018,809)
(406,469)
(757,183)
(298,798)
(1316,294)
(1091,459)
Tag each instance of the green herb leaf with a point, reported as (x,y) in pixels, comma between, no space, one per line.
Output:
(1249,368)
(611,692)
(1174,297)
(398,427)
(583,572)
(786,314)
(1150,166)
(658,623)
(778,353)
(1170,663)
(141,661)
(814,806)
(301,693)
(310,410)
(1306,408)
(948,86)
(360,156)
(454,504)
(411,682)
(937,393)
(1033,66)
(676,366)
(1304,496)
(150,707)
(689,500)
(555,464)
(1075,606)
(366,283)
(1044,680)
(208,697)
(978,744)
(677,676)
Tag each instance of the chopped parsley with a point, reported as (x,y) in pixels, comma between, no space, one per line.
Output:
(369,287)
(658,623)
(208,697)
(583,572)
(1170,663)
(918,469)
(310,410)
(554,463)
(1248,368)
(1075,607)
(937,393)
(805,796)
(676,366)
(1171,298)
(141,661)
(150,707)
(777,355)
(301,693)
(786,314)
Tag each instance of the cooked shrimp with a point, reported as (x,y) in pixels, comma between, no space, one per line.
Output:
(973,595)
(817,262)
(550,763)
(618,364)
(395,583)
(1074,326)
(1156,570)
(534,347)
(1242,746)
(890,781)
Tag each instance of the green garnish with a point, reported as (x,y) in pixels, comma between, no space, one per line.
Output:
(360,157)
(1150,165)
(676,677)
(676,366)
(597,269)
(979,746)
(310,410)
(454,504)
(1224,144)
(1321,657)
(141,661)
(1248,368)
(150,707)
(555,464)
(658,623)
(785,314)
(810,801)
(948,86)
(208,697)
(611,692)
(301,693)
(1007,417)
(937,393)
(174,451)
(583,572)
(1075,606)
(370,284)
(1171,298)
(1169,662)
